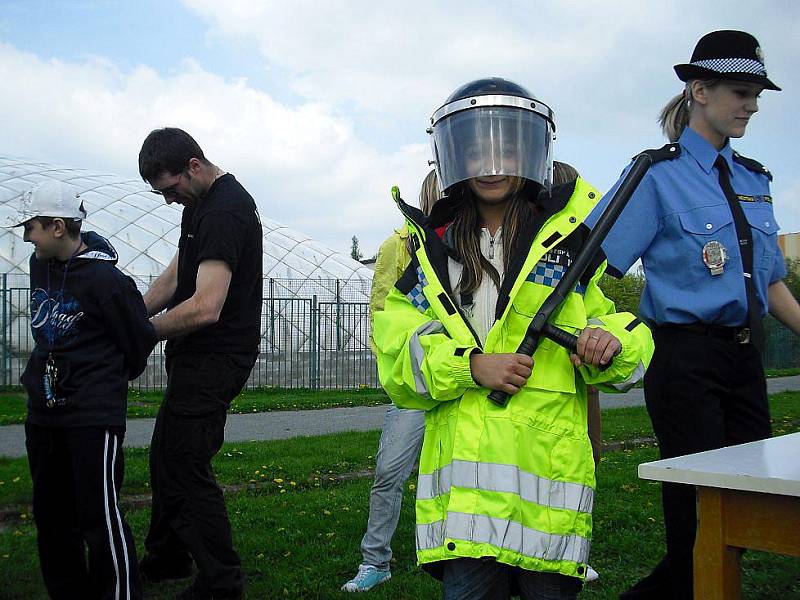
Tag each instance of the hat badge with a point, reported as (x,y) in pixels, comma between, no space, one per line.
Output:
(759,54)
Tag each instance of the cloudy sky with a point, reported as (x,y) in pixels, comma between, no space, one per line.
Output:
(320,107)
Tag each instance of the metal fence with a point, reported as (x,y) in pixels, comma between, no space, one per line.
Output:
(314,334)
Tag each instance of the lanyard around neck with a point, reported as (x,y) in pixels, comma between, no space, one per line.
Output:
(63,285)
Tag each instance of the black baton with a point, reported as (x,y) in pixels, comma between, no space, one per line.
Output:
(539,326)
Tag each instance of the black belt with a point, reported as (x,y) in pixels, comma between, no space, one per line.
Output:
(737,335)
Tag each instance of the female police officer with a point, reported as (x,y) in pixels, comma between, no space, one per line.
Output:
(505,494)
(702,223)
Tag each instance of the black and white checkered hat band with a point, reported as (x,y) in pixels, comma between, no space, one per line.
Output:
(733,65)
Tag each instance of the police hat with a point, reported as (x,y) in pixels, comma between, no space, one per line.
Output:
(727,55)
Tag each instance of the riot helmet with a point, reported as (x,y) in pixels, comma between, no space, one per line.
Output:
(492,126)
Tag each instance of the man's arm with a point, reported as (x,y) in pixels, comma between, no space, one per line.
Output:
(783,306)
(203,308)
(162,289)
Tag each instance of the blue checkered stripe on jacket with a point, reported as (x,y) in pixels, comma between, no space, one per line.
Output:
(416,295)
(550,273)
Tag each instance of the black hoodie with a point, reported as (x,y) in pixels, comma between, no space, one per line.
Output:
(96,329)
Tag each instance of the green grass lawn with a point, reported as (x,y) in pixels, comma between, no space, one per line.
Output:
(303,541)
(299,508)
(306,461)
(781,372)
(145,404)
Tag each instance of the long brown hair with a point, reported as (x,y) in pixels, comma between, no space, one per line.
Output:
(466,230)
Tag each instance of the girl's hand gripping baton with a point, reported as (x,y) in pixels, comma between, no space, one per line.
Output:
(539,326)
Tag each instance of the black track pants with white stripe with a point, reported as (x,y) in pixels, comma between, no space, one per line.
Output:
(77,473)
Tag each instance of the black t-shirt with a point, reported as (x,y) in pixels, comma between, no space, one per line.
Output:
(223,225)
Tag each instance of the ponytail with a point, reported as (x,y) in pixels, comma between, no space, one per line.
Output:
(674,117)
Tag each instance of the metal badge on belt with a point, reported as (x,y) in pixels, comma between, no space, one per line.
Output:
(715,256)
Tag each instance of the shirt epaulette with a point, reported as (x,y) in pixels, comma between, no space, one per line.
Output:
(667,152)
(752,165)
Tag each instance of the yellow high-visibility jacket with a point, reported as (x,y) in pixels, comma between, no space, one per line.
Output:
(390,263)
(515,482)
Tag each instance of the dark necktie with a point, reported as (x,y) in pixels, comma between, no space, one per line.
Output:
(745,237)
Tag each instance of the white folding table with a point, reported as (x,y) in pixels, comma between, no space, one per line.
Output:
(748,496)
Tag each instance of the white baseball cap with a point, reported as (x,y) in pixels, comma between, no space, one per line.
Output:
(47,199)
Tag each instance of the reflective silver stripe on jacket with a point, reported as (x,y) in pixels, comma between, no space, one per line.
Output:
(503,534)
(494,477)
(417,355)
(636,376)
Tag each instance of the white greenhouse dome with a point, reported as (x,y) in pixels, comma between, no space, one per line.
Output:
(315,319)
(145,230)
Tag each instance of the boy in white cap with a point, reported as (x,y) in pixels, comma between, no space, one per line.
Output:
(91,335)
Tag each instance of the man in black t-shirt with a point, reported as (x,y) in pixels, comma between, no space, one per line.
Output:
(212,291)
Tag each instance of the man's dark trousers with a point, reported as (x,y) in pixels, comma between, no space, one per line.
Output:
(189,518)
(703,391)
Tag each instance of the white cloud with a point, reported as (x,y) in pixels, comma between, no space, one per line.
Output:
(362,79)
(605,68)
(304,164)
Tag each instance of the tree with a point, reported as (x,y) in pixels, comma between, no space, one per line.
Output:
(792,279)
(355,251)
(625,292)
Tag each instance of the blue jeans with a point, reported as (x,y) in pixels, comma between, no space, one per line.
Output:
(487,579)
(399,448)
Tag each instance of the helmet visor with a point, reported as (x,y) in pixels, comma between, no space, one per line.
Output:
(493,140)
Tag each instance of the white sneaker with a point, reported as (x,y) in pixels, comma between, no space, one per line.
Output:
(591,574)
(368,577)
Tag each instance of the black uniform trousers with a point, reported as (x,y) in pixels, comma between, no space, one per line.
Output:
(189,519)
(77,473)
(703,391)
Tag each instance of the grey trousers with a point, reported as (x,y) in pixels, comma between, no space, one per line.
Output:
(399,448)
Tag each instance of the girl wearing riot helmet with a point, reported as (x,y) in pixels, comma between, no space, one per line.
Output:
(504,494)
(706,208)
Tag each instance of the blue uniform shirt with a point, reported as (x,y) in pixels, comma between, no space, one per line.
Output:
(677,209)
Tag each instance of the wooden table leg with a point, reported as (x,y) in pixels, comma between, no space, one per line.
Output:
(717,569)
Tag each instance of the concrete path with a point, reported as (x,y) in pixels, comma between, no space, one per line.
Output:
(281,425)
